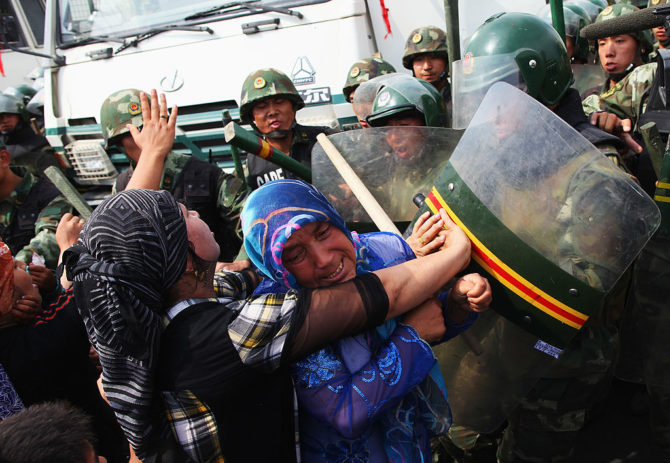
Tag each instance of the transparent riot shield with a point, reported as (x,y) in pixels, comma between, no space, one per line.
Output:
(589,79)
(394,163)
(553,225)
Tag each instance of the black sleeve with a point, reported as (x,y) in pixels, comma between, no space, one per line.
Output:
(328,314)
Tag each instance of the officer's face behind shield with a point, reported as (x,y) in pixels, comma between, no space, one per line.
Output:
(404,137)
(473,76)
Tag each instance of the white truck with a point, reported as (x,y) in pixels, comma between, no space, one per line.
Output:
(199,52)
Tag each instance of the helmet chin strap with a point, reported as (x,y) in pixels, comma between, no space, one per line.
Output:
(617,76)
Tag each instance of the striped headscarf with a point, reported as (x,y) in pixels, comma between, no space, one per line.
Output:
(130,253)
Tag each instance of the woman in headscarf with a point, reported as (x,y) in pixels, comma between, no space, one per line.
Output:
(378,396)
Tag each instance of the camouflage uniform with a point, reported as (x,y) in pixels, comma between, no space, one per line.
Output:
(269,83)
(627,98)
(362,71)
(216,195)
(546,424)
(29,217)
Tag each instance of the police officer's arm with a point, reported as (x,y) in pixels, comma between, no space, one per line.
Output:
(44,242)
(611,123)
(155,140)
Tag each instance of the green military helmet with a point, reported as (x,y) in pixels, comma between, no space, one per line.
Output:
(120,108)
(579,10)
(263,84)
(12,105)
(401,93)
(535,47)
(362,71)
(574,23)
(644,37)
(587,7)
(21,92)
(429,39)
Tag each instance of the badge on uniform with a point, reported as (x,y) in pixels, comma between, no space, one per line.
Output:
(354,71)
(417,38)
(259,83)
(134,109)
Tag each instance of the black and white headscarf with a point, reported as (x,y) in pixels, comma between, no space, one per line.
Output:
(131,251)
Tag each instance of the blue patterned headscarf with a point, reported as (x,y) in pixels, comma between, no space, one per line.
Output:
(273,212)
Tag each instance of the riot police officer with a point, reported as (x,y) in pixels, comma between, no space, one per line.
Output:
(217,196)
(269,103)
(404,105)
(25,147)
(523,50)
(575,20)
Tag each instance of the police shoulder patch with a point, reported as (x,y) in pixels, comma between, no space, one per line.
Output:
(134,109)
(259,82)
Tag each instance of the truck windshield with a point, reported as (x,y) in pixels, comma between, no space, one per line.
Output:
(83,20)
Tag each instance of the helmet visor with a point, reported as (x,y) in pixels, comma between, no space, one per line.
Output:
(471,79)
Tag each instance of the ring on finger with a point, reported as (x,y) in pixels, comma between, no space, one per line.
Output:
(421,241)
(164,116)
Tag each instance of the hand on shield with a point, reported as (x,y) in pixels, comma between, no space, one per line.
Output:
(454,237)
(427,235)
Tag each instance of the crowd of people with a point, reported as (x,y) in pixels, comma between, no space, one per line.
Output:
(199,316)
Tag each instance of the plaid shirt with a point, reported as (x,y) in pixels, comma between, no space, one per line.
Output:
(194,426)
(258,333)
(263,321)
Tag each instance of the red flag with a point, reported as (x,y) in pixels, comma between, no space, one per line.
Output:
(385,15)
(2,68)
